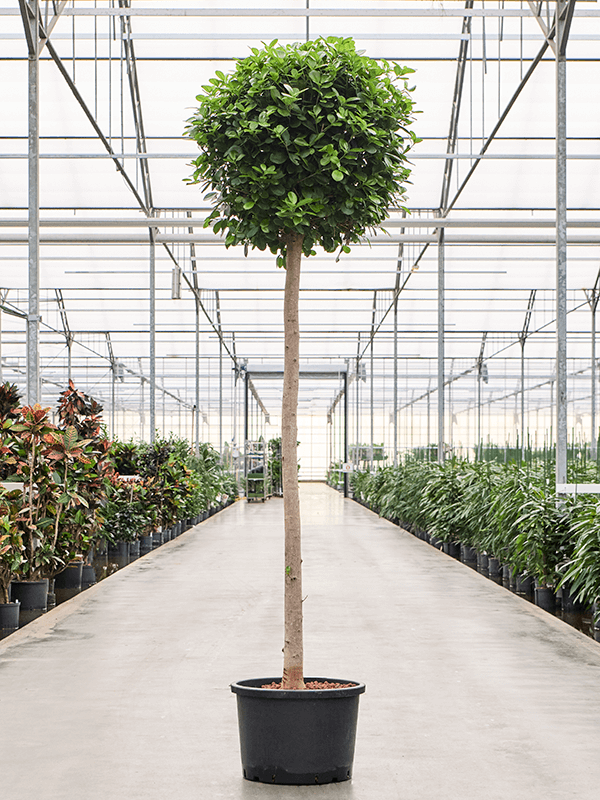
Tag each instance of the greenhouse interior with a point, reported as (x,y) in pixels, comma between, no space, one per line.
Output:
(446,415)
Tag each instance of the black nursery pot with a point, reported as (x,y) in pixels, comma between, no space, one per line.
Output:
(297,737)
(9,618)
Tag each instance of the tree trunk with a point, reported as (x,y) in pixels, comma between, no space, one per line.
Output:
(293,668)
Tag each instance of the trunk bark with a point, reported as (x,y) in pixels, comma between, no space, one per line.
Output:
(293,652)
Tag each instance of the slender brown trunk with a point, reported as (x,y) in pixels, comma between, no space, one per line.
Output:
(293,651)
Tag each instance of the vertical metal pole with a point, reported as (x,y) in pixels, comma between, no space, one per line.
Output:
(112,401)
(221,397)
(479,413)
(429,421)
(357,382)
(396,382)
(142,416)
(561,253)
(246,410)
(197,385)
(440,356)
(372,433)
(33,233)
(594,438)
(152,336)
(522,399)
(345,432)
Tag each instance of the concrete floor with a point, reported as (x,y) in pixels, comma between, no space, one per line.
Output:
(123,692)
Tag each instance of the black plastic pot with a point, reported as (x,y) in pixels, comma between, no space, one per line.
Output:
(524,585)
(88,576)
(482,563)
(452,549)
(118,553)
(68,582)
(494,568)
(134,550)
(70,577)
(297,737)
(9,618)
(509,580)
(33,597)
(468,556)
(145,544)
(545,598)
(157,539)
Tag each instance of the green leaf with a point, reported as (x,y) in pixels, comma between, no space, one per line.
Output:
(337,175)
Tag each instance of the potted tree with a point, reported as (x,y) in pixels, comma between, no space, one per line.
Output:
(302,146)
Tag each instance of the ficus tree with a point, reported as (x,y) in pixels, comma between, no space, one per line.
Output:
(302,146)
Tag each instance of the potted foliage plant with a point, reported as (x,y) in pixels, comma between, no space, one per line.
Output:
(301,146)
(11,557)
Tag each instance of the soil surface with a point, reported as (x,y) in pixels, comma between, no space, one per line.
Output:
(312,685)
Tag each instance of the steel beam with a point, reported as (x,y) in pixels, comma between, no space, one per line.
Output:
(188,223)
(480,377)
(522,339)
(63,71)
(31,22)
(455,114)
(592,296)
(440,348)
(152,325)
(561,251)
(66,329)
(136,103)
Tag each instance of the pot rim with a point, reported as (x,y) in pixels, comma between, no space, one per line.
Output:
(253,688)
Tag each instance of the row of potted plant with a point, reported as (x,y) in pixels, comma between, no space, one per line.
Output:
(507,513)
(67,489)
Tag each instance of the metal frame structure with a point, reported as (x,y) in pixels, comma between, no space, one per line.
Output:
(168,236)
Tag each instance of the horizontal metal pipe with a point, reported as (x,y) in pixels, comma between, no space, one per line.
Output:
(287,36)
(134,239)
(198,222)
(413,156)
(300,12)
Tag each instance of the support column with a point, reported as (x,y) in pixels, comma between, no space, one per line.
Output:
(246,411)
(441,351)
(396,382)
(522,399)
(345,432)
(152,336)
(221,398)
(372,408)
(197,382)
(33,233)
(479,414)
(561,253)
(112,401)
(594,438)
